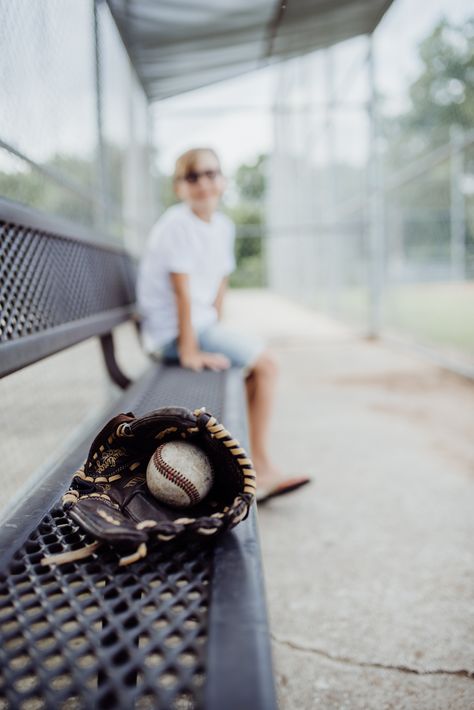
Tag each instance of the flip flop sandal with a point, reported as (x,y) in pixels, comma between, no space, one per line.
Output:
(282,488)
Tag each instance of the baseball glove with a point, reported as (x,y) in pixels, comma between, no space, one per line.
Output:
(109,497)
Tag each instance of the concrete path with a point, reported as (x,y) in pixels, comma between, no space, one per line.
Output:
(370,571)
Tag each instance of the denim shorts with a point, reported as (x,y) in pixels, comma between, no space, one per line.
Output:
(242,349)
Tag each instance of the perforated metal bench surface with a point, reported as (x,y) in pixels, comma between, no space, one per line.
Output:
(182,628)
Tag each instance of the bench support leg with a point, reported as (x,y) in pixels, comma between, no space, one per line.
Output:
(111,364)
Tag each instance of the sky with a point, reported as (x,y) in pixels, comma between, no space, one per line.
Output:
(232,116)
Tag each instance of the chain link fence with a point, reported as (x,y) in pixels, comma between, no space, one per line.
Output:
(74,143)
(74,125)
(371,201)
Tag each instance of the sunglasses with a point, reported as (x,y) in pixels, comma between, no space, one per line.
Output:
(192,177)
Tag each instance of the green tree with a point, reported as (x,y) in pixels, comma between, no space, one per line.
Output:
(441,96)
(250,180)
(33,188)
(249,217)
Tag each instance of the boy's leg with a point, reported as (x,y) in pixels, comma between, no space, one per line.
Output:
(261,384)
(249,352)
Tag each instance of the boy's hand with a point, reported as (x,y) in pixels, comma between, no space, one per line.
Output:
(198,360)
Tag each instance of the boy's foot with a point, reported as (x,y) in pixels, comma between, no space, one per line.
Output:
(279,488)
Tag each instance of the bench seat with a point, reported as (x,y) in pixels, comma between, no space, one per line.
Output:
(185,627)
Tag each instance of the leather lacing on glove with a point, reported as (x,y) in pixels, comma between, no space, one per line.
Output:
(99,501)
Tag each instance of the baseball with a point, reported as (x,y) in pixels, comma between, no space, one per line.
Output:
(179,474)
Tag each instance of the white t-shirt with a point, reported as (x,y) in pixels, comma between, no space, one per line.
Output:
(182,243)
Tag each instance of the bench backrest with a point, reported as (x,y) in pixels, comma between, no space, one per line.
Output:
(58,287)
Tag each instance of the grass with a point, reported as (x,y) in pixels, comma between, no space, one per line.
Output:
(439,314)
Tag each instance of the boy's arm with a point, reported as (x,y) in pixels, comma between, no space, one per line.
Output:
(188,347)
(187,342)
(220,297)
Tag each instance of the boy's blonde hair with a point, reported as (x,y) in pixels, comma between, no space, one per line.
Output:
(186,163)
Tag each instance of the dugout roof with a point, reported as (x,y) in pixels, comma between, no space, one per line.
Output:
(180,45)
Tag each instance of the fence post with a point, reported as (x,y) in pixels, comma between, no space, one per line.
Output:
(331,236)
(375,217)
(103,213)
(457,212)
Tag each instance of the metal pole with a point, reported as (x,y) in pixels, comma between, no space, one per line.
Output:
(103,211)
(457,210)
(331,236)
(133,187)
(375,217)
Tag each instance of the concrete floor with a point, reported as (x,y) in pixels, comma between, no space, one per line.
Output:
(48,406)
(370,570)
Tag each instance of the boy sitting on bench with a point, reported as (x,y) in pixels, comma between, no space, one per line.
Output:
(181,285)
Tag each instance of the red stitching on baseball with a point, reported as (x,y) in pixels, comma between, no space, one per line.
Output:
(171,474)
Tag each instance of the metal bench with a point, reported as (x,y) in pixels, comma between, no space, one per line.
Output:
(182,628)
